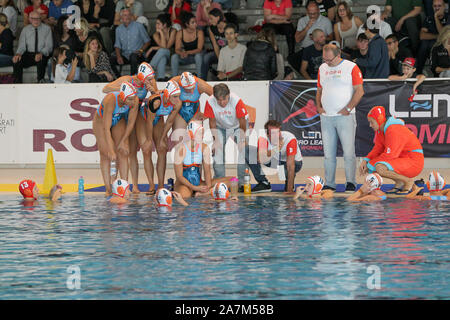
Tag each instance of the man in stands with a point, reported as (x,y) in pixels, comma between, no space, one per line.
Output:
(312,56)
(307,24)
(397,54)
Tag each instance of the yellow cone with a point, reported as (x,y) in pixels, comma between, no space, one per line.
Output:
(50,173)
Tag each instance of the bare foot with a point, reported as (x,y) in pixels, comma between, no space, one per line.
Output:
(108,193)
(136,190)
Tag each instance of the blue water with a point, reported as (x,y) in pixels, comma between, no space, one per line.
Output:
(259,248)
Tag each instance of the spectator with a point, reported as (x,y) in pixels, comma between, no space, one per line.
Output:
(404,19)
(83,32)
(6,42)
(260,62)
(313,20)
(87,11)
(231,58)
(175,11)
(346,28)
(226,4)
(8,8)
(56,9)
(34,48)
(60,69)
(137,11)
(203,13)
(97,62)
(338,94)
(312,56)
(280,148)
(63,35)
(131,42)
(228,117)
(277,15)
(216,33)
(376,61)
(440,54)
(432,25)
(362,43)
(188,45)
(385,28)
(408,72)
(396,54)
(164,37)
(36,5)
(327,8)
(103,20)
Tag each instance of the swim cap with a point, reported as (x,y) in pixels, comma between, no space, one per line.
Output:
(26,188)
(53,190)
(145,71)
(375,181)
(378,113)
(435,181)
(171,89)
(119,187)
(187,80)
(127,90)
(220,191)
(164,198)
(193,128)
(317,184)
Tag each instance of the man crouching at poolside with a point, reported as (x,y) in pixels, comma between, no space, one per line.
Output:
(397,154)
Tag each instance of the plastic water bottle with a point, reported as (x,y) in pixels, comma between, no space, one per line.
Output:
(171,184)
(113,170)
(81,185)
(247,186)
(234,187)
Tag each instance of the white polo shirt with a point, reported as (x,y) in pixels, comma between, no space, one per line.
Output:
(337,85)
(289,147)
(228,117)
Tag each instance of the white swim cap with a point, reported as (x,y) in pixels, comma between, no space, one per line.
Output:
(171,89)
(145,71)
(187,80)
(220,191)
(375,181)
(435,181)
(119,187)
(164,198)
(317,184)
(193,127)
(127,90)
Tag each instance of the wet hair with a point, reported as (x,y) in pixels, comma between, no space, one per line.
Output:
(221,90)
(164,18)
(272,123)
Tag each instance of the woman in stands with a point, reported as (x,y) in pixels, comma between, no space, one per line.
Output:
(112,125)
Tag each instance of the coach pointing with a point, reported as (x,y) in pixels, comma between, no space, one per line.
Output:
(339,90)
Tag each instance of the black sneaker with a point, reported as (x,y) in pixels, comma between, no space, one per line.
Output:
(350,187)
(262,187)
(329,188)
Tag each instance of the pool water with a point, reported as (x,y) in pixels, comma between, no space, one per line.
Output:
(258,248)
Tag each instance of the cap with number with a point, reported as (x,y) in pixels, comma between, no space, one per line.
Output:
(145,71)
(164,198)
(317,184)
(220,191)
(127,90)
(375,181)
(187,80)
(119,187)
(435,181)
(26,188)
(171,89)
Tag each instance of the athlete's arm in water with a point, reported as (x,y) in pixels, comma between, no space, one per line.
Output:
(177,196)
(115,85)
(168,124)
(414,194)
(369,197)
(132,115)
(178,164)
(355,195)
(109,104)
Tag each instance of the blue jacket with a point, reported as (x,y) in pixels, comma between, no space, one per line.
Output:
(376,62)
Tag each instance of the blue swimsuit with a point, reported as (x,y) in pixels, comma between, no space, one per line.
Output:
(192,163)
(163,110)
(119,113)
(441,198)
(190,103)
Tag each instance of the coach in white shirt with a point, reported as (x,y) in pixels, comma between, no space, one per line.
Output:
(339,90)
(228,117)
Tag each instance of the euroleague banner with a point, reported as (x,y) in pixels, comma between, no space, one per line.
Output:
(427,114)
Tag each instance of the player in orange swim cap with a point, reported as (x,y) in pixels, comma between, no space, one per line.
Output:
(112,125)
(29,190)
(397,153)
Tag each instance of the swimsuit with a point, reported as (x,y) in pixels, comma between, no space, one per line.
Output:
(118,112)
(192,163)
(190,103)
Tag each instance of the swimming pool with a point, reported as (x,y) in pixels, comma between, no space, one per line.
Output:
(260,248)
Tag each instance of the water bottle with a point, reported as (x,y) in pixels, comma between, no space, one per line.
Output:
(170,184)
(247,186)
(113,170)
(234,186)
(81,185)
